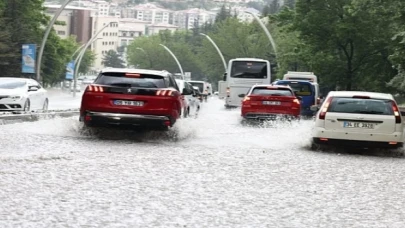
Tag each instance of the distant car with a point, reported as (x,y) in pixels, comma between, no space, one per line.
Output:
(191,103)
(361,119)
(22,94)
(88,80)
(132,97)
(264,102)
(198,94)
(216,93)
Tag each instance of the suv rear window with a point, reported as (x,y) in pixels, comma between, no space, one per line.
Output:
(361,106)
(300,88)
(130,80)
(272,91)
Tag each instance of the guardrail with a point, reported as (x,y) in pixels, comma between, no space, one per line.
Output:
(35,116)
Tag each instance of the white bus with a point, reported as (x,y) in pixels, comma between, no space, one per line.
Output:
(241,75)
(304,76)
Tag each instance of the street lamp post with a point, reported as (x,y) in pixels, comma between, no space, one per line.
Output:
(175,58)
(79,58)
(217,48)
(45,38)
(273,44)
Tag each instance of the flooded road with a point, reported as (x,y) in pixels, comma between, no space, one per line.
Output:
(210,171)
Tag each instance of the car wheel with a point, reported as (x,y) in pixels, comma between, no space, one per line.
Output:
(27,106)
(45,106)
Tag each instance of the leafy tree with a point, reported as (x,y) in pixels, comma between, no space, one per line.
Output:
(24,21)
(112,59)
(348,40)
(223,14)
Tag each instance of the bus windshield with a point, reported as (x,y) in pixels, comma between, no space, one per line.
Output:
(246,69)
(299,88)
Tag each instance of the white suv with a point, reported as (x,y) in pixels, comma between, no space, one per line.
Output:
(363,119)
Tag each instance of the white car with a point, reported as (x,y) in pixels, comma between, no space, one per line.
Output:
(22,94)
(361,119)
(192,103)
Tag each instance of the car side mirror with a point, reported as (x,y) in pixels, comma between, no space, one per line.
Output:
(241,95)
(186,92)
(32,89)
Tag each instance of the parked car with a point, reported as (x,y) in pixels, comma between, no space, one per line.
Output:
(191,102)
(22,94)
(88,80)
(264,102)
(361,119)
(133,97)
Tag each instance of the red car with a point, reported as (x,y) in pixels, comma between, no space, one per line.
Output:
(270,102)
(133,97)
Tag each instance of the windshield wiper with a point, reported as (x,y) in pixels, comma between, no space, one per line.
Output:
(122,84)
(369,112)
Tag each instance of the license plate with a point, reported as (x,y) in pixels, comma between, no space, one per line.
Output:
(358,125)
(271,102)
(128,103)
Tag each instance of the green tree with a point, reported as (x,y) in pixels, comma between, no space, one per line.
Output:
(223,14)
(24,22)
(112,59)
(348,40)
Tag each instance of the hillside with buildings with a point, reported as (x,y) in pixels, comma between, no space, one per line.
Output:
(134,18)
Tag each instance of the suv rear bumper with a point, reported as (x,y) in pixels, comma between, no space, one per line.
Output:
(357,143)
(322,136)
(106,118)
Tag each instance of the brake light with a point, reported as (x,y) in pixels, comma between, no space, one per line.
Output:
(166,92)
(246,99)
(325,108)
(396,112)
(132,75)
(296,101)
(95,88)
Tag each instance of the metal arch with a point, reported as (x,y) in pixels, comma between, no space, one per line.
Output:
(175,58)
(79,58)
(45,38)
(217,48)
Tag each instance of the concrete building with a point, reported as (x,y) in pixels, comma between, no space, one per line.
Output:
(187,19)
(108,38)
(129,29)
(156,28)
(77,22)
(151,13)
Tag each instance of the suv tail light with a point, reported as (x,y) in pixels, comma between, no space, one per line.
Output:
(166,92)
(296,101)
(246,99)
(396,113)
(325,108)
(94,88)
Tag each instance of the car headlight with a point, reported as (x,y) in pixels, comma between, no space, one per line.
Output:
(15,97)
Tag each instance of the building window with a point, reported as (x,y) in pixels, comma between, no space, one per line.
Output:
(61,33)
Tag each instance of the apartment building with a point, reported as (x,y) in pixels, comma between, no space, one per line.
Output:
(107,39)
(156,28)
(76,20)
(129,29)
(187,19)
(151,13)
